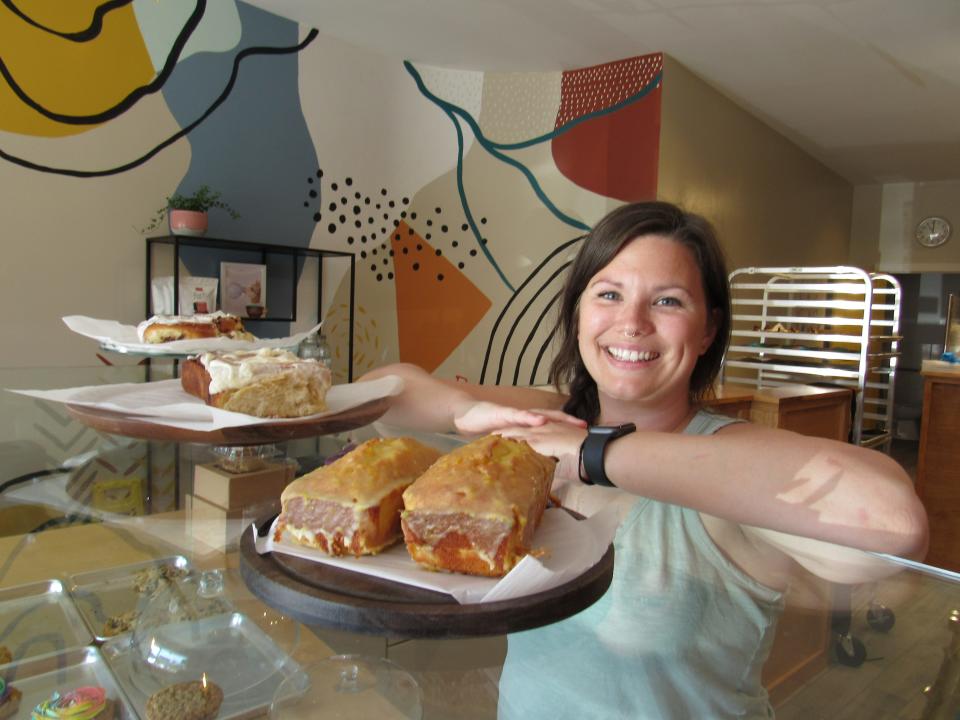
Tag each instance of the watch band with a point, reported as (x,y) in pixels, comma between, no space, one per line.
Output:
(593,447)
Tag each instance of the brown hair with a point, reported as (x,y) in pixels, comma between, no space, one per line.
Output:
(601,245)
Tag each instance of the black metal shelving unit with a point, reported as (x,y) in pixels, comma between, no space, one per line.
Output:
(263,251)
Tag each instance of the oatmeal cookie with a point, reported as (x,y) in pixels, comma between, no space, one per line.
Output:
(185,701)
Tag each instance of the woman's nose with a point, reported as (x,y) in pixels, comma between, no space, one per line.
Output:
(637,323)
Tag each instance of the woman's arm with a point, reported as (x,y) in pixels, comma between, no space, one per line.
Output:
(436,405)
(756,476)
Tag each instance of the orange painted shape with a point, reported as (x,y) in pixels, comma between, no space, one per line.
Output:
(615,155)
(71,78)
(437,305)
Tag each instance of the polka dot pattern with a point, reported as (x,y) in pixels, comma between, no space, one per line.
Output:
(463,88)
(519,106)
(368,222)
(601,86)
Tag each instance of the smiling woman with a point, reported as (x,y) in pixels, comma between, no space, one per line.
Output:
(654,283)
(714,511)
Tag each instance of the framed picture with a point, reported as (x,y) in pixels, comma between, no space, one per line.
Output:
(243,289)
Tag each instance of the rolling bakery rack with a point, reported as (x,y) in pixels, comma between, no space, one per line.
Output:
(834,325)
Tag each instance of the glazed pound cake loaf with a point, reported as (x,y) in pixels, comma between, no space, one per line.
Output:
(352,506)
(476,509)
(266,383)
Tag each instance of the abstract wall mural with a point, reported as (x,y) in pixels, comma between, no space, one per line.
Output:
(463,194)
(604,138)
(608,127)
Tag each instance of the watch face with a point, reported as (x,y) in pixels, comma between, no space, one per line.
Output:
(933,231)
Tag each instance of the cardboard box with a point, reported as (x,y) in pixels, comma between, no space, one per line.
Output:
(237,490)
(212,525)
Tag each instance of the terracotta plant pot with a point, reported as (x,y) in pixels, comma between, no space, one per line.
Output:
(188,222)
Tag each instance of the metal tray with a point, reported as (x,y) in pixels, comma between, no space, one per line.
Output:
(102,594)
(39,677)
(39,618)
(230,649)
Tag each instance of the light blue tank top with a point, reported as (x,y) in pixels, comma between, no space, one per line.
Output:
(680,633)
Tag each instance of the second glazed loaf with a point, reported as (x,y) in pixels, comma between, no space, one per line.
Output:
(475,510)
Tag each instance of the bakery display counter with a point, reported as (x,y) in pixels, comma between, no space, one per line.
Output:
(83,512)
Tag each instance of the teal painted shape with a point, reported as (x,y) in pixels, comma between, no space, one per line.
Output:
(453,112)
(492,148)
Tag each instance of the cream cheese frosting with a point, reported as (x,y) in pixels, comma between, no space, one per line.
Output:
(229,371)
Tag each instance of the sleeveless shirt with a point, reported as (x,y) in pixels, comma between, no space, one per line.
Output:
(680,633)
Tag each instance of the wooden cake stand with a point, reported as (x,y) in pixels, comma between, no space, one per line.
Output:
(319,594)
(140,426)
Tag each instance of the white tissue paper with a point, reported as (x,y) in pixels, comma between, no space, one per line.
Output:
(124,338)
(166,403)
(565,548)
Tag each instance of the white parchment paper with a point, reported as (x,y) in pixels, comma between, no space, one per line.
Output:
(124,338)
(566,548)
(166,403)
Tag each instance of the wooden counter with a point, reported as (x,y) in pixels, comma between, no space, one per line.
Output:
(938,462)
(806,409)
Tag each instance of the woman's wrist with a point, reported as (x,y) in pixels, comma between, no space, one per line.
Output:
(581,472)
(459,405)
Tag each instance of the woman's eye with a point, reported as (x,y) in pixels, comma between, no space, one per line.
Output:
(670,301)
(609,295)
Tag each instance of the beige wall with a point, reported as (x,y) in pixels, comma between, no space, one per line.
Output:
(865,227)
(900,207)
(772,203)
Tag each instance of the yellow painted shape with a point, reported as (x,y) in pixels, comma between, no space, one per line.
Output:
(67,77)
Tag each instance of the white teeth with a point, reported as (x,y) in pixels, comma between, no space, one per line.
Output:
(632,355)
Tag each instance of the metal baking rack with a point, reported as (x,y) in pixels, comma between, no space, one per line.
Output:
(834,325)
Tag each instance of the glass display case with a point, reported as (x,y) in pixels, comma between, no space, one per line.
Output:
(125,567)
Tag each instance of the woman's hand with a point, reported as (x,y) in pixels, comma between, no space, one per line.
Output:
(560,440)
(485,417)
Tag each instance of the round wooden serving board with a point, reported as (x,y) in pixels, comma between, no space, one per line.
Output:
(140,426)
(319,594)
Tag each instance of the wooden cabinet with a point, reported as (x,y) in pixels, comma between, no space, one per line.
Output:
(806,409)
(938,462)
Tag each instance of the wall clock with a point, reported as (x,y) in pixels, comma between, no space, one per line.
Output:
(932,231)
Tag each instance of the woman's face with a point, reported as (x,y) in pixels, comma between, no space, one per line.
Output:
(644,322)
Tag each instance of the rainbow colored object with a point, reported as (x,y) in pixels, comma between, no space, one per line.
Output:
(84,703)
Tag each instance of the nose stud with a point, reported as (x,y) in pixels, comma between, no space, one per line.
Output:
(631,333)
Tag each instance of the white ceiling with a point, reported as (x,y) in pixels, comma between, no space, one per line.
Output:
(869,87)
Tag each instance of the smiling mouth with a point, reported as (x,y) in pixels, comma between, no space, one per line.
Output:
(632,355)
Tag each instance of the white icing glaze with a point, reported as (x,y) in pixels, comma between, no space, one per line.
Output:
(232,370)
(176,319)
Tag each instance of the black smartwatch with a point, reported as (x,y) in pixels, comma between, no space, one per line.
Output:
(593,447)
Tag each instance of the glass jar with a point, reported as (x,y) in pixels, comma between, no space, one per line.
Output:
(309,347)
(315,346)
(323,354)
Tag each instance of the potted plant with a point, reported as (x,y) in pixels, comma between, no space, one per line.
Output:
(188,213)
